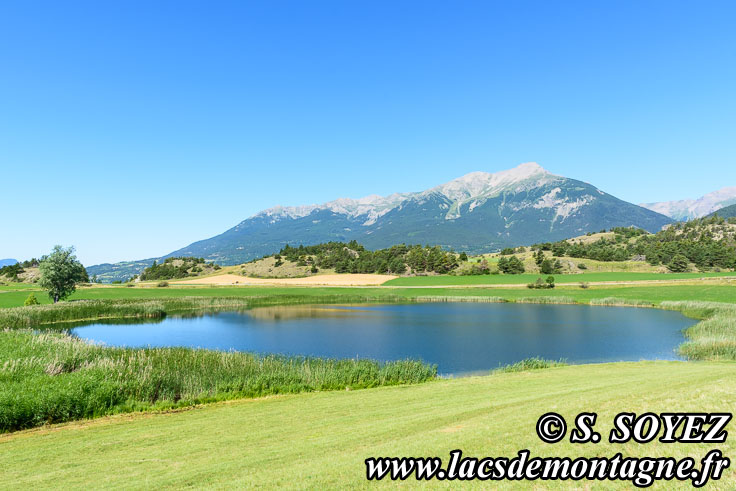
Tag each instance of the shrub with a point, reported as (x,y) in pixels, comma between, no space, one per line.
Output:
(162,284)
(31,300)
(582,266)
(541,284)
(584,285)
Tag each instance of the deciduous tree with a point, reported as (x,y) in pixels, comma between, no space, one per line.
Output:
(60,273)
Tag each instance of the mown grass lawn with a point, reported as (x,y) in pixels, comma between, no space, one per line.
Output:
(320,440)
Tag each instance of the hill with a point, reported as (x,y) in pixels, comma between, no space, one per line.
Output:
(340,257)
(21,272)
(704,244)
(688,209)
(479,212)
(727,212)
(122,271)
(178,267)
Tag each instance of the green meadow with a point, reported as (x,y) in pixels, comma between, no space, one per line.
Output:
(201,418)
(320,440)
(707,291)
(520,279)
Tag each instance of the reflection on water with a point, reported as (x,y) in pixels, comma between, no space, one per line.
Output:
(458,337)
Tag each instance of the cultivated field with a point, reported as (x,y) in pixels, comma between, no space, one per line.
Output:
(323,279)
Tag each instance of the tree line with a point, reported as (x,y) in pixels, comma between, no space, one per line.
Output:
(709,243)
(352,257)
(174,268)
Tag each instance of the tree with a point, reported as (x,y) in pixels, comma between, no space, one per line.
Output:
(559,249)
(463,257)
(539,257)
(679,264)
(60,273)
(547,266)
(511,265)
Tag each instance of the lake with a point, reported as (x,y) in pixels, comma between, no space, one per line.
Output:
(461,338)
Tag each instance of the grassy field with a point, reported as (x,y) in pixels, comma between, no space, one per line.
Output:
(320,440)
(520,279)
(707,291)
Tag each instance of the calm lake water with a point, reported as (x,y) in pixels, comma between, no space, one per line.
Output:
(458,337)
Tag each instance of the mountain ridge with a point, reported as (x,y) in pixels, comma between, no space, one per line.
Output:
(725,212)
(477,212)
(687,209)
(471,185)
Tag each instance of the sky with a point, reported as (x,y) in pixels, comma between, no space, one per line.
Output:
(131,129)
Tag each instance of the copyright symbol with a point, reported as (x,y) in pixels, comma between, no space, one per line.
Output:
(551,428)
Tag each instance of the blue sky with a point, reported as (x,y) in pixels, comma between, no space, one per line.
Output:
(130,129)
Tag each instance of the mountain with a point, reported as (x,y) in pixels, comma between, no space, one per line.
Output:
(7,262)
(121,271)
(479,212)
(687,209)
(727,212)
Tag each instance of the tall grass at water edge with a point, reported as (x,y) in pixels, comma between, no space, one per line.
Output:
(51,377)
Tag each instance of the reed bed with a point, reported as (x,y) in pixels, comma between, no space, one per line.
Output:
(620,302)
(473,299)
(714,337)
(51,377)
(48,376)
(82,310)
(528,364)
(548,300)
(275,300)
